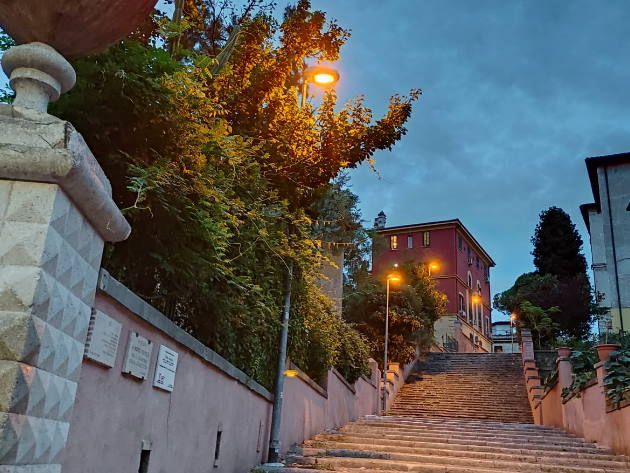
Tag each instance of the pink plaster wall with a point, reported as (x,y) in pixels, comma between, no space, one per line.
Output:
(551,408)
(114,413)
(308,411)
(586,417)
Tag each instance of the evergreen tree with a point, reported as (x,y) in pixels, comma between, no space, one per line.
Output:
(557,245)
(560,279)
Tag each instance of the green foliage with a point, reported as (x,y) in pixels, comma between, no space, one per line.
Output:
(6,95)
(415,305)
(617,380)
(557,245)
(540,321)
(226,181)
(583,371)
(560,280)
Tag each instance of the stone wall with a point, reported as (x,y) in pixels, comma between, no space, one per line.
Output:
(118,416)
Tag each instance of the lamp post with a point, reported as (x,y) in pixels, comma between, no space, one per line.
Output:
(512,319)
(325,76)
(393,277)
(476,300)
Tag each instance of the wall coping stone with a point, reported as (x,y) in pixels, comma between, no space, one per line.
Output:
(124,296)
(344,380)
(369,381)
(40,148)
(308,380)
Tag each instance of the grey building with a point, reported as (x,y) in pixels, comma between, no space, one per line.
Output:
(504,339)
(608,223)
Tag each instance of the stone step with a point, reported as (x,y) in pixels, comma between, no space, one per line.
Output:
(484,447)
(529,464)
(523,456)
(493,429)
(415,440)
(426,463)
(409,420)
(467,436)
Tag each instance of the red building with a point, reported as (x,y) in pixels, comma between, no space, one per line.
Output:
(461,268)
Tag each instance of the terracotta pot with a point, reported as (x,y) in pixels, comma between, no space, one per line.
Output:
(73,27)
(564,352)
(605,350)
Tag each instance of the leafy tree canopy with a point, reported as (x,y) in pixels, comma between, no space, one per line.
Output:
(415,305)
(225,178)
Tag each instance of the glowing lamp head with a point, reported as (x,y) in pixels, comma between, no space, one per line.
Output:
(394,277)
(290,373)
(434,266)
(476,299)
(513,316)
(321,75)
(323,78)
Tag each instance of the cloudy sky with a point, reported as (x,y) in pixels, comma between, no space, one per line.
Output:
(516,95)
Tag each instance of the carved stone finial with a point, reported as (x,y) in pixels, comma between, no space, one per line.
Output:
(38,74)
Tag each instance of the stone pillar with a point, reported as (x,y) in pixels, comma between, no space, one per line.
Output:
(565,369)
(56,211)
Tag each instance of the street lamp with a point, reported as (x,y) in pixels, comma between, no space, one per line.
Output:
(392,277)
(512,319)
(325,76)
(476,300)
(433,266)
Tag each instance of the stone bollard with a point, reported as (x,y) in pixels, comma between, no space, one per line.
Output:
(56,212)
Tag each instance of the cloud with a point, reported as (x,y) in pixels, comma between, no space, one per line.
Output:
(516,95)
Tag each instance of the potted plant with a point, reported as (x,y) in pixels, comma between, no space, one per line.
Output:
(564,352)
(604,350)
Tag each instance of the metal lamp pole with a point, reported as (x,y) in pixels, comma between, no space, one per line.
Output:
(324,76)
(385,354)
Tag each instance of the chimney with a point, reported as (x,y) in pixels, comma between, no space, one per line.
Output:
(380,220)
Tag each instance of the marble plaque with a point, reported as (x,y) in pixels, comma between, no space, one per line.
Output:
(102,339)
(165,369)
(138,356)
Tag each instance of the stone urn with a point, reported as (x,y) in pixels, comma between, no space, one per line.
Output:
(73,27)
(604,351)
(49,31)
(564,352)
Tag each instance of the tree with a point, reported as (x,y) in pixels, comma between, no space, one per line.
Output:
(218,170)
(540,321)
(414,307)
(560,279)
(557,245)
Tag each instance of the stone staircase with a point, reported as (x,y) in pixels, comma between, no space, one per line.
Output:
(476,386)
(425,445)
(460,413)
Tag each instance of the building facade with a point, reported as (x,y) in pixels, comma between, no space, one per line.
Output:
(460,267)
(504,338)
(608,222)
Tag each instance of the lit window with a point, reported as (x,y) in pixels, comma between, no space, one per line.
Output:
(393,242)
(426,238)
(409,241)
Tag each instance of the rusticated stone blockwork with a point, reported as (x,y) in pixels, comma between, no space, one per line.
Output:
(50,256)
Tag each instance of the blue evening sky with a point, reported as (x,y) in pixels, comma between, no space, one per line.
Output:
(516,94)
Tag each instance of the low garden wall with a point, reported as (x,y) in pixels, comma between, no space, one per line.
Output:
(210,417)
(587,414)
